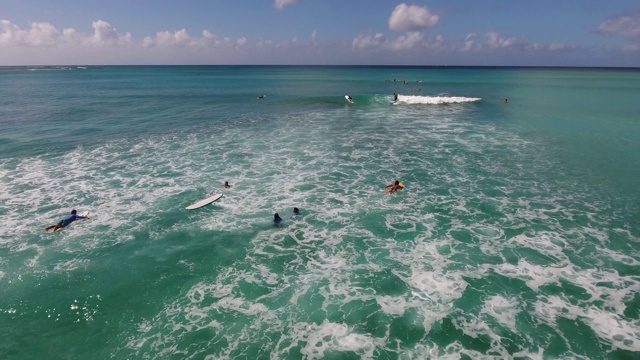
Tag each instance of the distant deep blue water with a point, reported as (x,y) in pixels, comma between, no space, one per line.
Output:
(517,234)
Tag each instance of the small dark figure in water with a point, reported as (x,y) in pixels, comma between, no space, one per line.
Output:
(296,211)
(276,219)
(226,184)
(506,101)
(395,97)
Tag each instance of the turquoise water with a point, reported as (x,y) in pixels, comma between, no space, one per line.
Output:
(516,236)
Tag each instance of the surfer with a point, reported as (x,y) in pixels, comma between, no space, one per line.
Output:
(296,211)
(395,97)
(506,101)
(71,218)
(226,184)
(394,187)
(262,96)
(276,219)
(349,99)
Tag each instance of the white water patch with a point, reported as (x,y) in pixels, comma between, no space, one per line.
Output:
(317,340)
(549,244)
(618,257)
(620,333)
(321,258)
(503,310)
(71,265)
(432,100)
(610,327)
(533,275)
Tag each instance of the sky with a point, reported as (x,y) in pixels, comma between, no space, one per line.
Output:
(601,33)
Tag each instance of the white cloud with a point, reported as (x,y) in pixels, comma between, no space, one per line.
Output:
(557,46)
(534,47)
(208,35)
(43,43)
(45,34)
(294,42)
(406,42)
(494,41)
(405,18)
(103,32)
(182,39)
(469,41)
(368,41)
(40,34)
(281,4)
(625,25)
(169,39)
(437,44)
(264,44)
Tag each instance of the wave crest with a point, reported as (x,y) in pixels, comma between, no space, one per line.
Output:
(414,99)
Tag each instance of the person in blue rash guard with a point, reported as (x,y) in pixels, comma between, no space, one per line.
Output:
(71,218)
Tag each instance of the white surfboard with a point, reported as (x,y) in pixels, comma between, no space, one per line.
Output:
(204,202)
(84,213)
(348,99)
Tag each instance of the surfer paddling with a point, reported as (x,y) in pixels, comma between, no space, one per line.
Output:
(394,187)
(71,218)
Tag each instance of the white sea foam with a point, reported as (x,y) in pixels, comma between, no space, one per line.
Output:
(331,337)
(503,310)
(416,99)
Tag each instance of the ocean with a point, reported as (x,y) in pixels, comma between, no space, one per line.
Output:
(516,235)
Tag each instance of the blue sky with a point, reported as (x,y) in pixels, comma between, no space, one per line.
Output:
(322,32)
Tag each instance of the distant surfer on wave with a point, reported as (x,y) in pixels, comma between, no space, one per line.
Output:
(262,96)
(226,184)
(395,97)
(71,218)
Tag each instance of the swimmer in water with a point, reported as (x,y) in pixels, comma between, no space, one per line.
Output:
(276,219)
